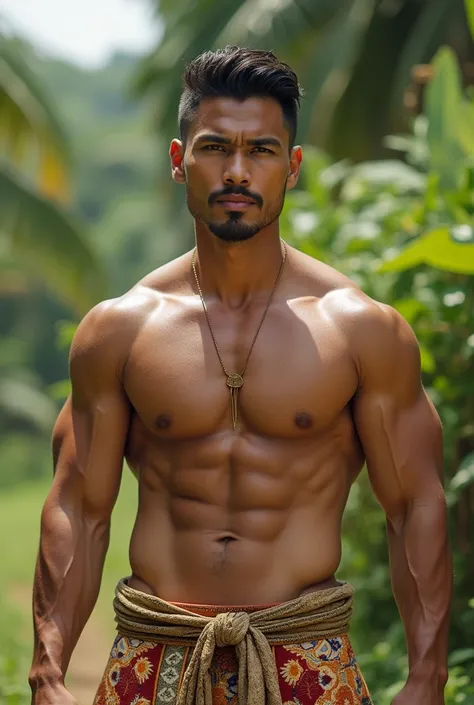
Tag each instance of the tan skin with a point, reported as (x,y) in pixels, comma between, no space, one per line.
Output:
(251,516)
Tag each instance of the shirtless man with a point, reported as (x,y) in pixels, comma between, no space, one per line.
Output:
(241,490)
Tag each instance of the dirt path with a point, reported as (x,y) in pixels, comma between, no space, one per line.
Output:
(90,655)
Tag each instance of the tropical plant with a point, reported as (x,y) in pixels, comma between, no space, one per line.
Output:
(37,234)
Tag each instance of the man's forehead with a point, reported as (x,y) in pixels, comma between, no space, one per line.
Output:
(253,116)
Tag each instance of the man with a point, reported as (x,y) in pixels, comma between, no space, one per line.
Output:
(246,384)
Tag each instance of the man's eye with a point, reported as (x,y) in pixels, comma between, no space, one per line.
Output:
(214,147)
(263,150)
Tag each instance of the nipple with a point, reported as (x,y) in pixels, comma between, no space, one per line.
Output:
(303,420)
(163,421)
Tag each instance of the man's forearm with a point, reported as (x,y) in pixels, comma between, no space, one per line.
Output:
(67,582)
(422,584)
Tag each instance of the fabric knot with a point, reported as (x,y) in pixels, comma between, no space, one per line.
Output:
(230,628)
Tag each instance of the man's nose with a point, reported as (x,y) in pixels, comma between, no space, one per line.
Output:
(237,170)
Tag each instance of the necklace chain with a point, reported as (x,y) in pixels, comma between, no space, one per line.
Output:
(206,312)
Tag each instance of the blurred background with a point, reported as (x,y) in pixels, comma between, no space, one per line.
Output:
(88,104)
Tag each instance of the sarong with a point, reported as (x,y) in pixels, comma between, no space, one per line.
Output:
(152,671)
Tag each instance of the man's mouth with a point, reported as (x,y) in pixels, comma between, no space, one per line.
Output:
(235,202)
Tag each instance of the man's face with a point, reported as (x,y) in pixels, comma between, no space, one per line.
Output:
(236,165)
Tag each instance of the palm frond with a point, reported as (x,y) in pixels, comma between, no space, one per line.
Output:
(51,245)
(421,44)
(362,116)
(277,23)
(187,34)
(326,68)
(28,123)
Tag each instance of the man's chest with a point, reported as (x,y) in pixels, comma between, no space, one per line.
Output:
(298,377)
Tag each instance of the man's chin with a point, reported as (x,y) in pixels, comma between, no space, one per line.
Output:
(233,232)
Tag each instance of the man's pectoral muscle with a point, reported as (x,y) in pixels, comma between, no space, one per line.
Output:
(88,446)
(401,437)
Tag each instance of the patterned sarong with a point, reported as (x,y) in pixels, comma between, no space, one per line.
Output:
(317,672)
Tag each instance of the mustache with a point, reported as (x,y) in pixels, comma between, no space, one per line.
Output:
(235,191)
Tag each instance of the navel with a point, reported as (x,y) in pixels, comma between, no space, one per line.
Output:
(221,558)
(303,420)
(226,540)
(163,421)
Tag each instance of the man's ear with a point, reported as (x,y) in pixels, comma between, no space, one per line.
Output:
(295,166)
(176,157)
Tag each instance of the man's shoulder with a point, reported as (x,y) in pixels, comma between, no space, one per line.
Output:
(378,338)
(332,290)
(110,327)
(346,301)
(106,333)
(372,329)
(111,320)
(368,322)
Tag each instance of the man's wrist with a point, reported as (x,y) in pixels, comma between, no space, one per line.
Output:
(429,672)
(41,678)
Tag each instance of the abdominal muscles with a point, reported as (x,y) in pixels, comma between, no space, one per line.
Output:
(239,520)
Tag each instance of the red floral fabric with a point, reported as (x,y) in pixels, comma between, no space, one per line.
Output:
(322,672)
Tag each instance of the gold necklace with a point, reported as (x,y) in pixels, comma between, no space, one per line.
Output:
(235,380)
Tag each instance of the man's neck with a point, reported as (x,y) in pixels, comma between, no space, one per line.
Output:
(238,272)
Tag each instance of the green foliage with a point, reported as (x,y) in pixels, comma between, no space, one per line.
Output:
(470,15)
(451,249)
(32,226)
(49,243)
(27,118)
(443,97)
(14,656)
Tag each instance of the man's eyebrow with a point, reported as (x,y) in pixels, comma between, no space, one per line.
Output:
(211,137)
(254,141)
(261,141)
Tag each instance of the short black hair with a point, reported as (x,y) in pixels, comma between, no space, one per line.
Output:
(237,72)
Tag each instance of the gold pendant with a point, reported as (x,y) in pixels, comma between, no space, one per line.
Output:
(234,382)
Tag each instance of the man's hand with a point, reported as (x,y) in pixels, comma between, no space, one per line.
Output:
(420,692)
(53,695)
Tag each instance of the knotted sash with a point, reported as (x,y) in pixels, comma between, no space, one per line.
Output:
(320,614)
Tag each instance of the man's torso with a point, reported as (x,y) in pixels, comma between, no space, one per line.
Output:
(250,516)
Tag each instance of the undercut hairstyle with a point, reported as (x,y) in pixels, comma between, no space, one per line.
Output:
(239,73)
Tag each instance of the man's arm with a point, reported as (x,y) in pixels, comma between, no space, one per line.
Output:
(88,447)
(401,436)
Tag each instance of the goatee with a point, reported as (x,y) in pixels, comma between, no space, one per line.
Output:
(234,230)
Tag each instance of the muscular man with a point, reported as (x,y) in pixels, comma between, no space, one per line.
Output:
(245,384)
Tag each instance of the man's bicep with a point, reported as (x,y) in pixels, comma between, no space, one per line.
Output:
(99,436)
(403,449)
(397,424)
(91,431)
